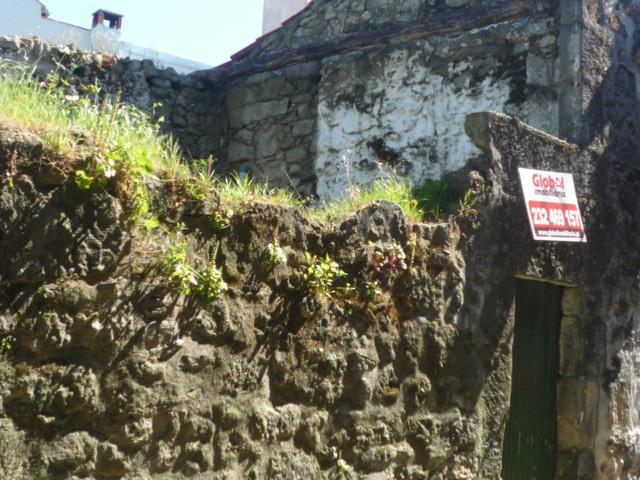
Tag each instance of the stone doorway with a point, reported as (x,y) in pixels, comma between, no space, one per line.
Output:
(530,442)
(550,432)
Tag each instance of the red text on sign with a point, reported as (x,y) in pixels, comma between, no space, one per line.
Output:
(547,181)
(555,216)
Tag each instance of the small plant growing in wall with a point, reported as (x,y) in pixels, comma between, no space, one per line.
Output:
(467,204)
(342,470)
(274,255)
(221,219)
(6,344)
(322,274)
(390,257)
(210,283)
(206,283)
(181,274)
(369,290)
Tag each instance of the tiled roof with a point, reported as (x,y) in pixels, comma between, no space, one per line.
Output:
(245,52)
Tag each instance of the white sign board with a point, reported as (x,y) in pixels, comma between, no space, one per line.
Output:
(552,206)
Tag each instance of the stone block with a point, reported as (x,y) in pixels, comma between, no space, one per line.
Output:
(540,71)
(305,127)
(10,42)
(266,142)
(238,97)
(571,302)
(577,411)
(297,155)
(456,3)
(240,152)
(253,113)
(160,82)
(149,69)
(572,347)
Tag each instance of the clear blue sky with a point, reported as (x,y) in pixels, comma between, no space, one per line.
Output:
(208,31)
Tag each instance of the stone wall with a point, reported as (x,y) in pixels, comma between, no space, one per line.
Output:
(272,124)
(186,105)
(386,88)
(113,374)
(401,110)
(346,92)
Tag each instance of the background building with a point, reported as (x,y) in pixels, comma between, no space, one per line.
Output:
(31,18)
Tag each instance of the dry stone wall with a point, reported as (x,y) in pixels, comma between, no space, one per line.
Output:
(272,126)
(184,103)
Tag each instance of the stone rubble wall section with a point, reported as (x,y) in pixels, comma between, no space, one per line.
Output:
(184,103)
(390,109)
(394,110)
(272,126)
(114,375)
(400,112)
(328,20)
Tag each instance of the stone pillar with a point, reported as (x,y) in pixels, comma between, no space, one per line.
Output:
(585,56)
(578,395)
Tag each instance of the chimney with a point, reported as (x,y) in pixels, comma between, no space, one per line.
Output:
(100,17)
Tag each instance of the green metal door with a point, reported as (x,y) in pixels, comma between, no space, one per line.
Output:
(530,439)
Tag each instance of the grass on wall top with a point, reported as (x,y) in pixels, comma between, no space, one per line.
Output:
(129,148)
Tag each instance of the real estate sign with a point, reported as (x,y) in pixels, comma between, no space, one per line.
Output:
(552,206)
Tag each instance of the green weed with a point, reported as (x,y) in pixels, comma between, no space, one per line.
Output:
(323,274)
(241,191)
(190,279)
(274,255)
(392,190)
(467,204)
(435,198)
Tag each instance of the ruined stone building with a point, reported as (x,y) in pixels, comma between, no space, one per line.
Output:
(500,358)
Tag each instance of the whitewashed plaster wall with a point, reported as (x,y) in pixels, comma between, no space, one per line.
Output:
(399,104)
(160,59)
(24,18)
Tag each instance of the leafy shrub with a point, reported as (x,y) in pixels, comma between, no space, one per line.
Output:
(207,283)
(322,274)
(181,273)
(210,283)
